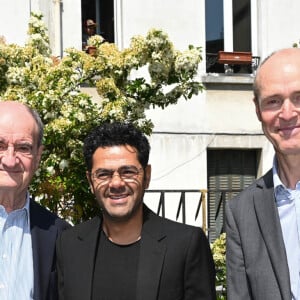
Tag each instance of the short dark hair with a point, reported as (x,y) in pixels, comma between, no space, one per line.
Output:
(116,134)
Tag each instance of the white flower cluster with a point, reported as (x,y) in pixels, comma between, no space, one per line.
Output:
(187,62)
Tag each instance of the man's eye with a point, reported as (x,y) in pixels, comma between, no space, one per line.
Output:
(26,149)
(3,147)
(272,103)
(296,100)
(102,175)
(128,172)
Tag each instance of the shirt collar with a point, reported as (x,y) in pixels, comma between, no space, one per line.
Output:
(281,192)
(27,207)
(276,180)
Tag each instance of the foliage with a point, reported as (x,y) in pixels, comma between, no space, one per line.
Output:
(218,248)
(52,86)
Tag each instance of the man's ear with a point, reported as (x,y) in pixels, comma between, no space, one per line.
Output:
(257,108)
(147,176)
(38,156)
(88,176)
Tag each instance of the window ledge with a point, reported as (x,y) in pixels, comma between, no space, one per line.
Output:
(221,78)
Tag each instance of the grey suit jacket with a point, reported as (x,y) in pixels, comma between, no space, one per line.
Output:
(175,261)
(45,227)
(255,254)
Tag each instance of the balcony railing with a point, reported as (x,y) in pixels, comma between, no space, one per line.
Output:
(209,208)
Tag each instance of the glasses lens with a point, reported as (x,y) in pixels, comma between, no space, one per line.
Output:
(102,175)
(125,173)
(128,172)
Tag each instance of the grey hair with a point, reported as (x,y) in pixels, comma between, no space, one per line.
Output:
(39,123)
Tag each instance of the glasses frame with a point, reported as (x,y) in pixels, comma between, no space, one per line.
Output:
(116,172)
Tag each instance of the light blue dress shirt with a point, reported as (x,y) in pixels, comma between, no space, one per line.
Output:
(16,262)
(288,204)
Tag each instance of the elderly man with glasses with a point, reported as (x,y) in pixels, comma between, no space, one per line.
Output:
(128,252)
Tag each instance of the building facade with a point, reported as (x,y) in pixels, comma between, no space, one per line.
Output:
(213,142)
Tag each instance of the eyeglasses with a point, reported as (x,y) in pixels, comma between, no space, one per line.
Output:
(126,173)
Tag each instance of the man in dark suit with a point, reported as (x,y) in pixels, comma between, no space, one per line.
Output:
(263,222)
(129,252)
(28,231)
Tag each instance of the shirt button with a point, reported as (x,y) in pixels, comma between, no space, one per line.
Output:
(2,285)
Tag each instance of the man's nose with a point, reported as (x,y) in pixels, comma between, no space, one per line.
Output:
(116,181)
(288,110)
(9,158)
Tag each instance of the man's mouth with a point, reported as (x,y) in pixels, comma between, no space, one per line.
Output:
(288,129)
(117,197)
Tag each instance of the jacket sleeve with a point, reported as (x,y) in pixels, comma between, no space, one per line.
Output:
(237,285)
(199,282)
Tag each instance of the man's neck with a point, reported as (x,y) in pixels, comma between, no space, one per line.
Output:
(12,201)
(288,168)
(123,233)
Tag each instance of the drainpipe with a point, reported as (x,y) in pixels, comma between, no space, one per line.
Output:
(57,51)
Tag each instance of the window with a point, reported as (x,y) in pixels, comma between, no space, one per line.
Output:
(228,172)
(228,28)
(102,12)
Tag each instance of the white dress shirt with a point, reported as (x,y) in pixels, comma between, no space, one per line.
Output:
(16,262)
(288,204)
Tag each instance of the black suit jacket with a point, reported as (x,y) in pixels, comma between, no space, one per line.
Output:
(175,261)
(257,265)
(45,227)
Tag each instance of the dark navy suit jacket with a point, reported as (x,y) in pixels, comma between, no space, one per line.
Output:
(45,227)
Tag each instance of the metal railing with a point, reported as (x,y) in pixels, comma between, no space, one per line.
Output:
(181,209)
(210,205)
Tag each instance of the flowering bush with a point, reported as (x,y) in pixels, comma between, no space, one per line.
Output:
(218,248)
(53,87)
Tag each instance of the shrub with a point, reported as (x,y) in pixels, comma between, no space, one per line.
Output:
(52,86)
(218,248)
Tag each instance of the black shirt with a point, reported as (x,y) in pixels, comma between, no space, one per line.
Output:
(115,273)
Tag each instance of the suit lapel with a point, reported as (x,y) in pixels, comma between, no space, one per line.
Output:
(43,248)
(87,248)
(152,255)
(269,223)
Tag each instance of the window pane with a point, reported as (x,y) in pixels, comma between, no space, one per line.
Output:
(214,33)
(214,25)
(241,25)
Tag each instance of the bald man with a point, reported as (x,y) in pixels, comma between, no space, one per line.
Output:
(28,231)
(263,222)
